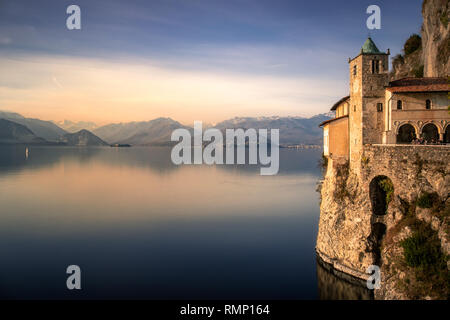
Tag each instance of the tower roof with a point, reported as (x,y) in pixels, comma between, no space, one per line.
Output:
(369,47)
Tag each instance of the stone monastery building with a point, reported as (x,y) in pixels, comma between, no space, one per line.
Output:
(381,112)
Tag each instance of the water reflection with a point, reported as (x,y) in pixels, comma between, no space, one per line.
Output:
(141,227)
(333,286)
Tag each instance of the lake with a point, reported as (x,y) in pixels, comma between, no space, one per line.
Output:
(140,227)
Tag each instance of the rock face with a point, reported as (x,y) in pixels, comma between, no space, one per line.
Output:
(436,38)
(13,133)
(356,213)
(432,58)
(83,138)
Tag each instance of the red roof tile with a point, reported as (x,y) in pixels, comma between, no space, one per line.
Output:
(419,85)
(331,120)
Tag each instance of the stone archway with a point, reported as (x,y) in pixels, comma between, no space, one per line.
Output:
(381,191)
(406,133)
(447,134)
(430,132)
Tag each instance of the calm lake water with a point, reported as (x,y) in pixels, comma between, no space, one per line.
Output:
(140,227)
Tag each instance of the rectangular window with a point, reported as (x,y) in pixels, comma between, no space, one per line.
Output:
(375,66)
(379,107)
(355,70)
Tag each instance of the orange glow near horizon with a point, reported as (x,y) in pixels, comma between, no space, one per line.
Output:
(82,89)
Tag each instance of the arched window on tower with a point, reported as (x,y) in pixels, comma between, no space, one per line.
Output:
(399,104)
(355,70)
(428,104)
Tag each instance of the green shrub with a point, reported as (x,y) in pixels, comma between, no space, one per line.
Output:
(420,251)
(388,188)
(418,72)
(413,43)
(427,200)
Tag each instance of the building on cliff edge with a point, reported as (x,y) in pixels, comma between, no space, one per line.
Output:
(396,131)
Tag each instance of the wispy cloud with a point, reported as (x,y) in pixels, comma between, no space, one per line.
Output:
(105,91)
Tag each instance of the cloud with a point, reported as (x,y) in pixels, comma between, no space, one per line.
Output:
(125,90)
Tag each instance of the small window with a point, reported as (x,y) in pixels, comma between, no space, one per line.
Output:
(428,104)
(399,104)
(375,66)
(354,108)
(355,70)
(379,107)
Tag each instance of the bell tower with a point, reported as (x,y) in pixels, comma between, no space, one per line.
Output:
(369,75)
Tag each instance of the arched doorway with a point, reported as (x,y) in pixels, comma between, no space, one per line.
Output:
(406,134)
(430,133)
(447,134)
(381,191)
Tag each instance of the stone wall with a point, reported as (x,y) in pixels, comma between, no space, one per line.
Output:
(347,233)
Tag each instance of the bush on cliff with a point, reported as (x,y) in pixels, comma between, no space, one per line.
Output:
(427,200)
(413,43)
(422,253)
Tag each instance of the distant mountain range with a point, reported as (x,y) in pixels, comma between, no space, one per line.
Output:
(44,129)
(12,132)
(153,132)
(82,138)
(72,127)
(293,130)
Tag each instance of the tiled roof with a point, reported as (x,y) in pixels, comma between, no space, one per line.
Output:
(334,107)
(331,120)
(419,85)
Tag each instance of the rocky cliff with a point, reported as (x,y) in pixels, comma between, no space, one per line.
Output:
(436,38)
(430,57)
(392,210)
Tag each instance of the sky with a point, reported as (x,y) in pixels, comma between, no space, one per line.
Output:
(208,60)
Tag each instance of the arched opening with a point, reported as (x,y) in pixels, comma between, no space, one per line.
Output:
(428,104)
(381,191)
(447,135)
(375,239)
(430,133)
(406,134)
(399,104)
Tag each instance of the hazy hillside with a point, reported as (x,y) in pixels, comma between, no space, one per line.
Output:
(157,131)
(83,138)
(44,129)
(11,133)
(293,130)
